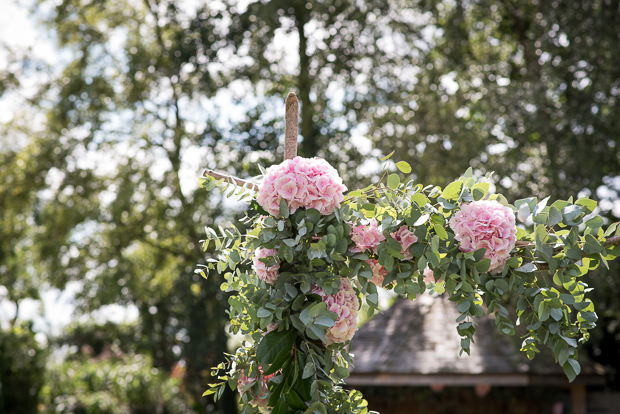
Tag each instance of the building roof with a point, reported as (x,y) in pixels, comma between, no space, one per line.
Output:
(416,343)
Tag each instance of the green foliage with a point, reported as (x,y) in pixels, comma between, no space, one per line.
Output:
(112,383)
(313,250)
(22,370)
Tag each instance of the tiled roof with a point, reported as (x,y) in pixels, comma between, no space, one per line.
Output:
(419,337)
(416,343)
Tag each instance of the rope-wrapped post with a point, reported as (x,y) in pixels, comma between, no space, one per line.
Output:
(291,126)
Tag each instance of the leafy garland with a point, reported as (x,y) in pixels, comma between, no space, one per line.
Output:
(309,271)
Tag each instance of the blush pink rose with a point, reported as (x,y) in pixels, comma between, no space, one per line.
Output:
(378,272)
(429,275)
(345,304)
(486,224)
(271,274)
(406,238)
(366,236)
(260,398)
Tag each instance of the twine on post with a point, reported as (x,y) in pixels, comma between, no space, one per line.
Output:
(291,126)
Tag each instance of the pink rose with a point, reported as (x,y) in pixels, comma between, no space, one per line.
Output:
(378,272)
(366,236)
(260,399)
(271,274)
(429,275)
(344,303)
(406,238)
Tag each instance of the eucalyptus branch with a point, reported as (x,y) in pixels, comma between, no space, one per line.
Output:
(231,179)
(610,242)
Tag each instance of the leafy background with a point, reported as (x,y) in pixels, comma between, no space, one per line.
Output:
(103,137)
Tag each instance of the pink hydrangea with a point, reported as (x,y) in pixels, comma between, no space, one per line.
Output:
(366,236)
(269,275)
(301,182)
(259,399)
(406,238)
(429,275)
(486,224)
(378,272)
(344,303)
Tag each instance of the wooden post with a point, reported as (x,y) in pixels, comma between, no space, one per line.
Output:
(578,400)
(291,126)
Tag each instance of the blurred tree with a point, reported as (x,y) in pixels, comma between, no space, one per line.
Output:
(124,119)
(22,370)
(346,60)
(111,383)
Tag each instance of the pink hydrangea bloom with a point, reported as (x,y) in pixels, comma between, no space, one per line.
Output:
(429,275)
(378,272)
(486,224)
(269,275)
(366,236)
(406,238)
(344,303)
(259,399)
(301,182)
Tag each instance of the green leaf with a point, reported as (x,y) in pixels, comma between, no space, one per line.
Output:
(571,369)
(341,373)
(284,211)
(393,181)
(463,306)
(480,190)
(387,157)
(318,331)
(483,265)
(590,205)
(441,232)
(592,245)
(316,309)
(452,191)
(294,401)
(272,344)
(262,312)
(420,199)
(309,370)
(325,321)
(555,216)
(527,268)
(404,167)
(543,311)
(588,316)
(595,222)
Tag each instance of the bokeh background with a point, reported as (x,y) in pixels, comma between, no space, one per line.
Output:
(110,109)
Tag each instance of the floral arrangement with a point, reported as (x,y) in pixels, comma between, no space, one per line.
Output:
(301,182)
(311,256)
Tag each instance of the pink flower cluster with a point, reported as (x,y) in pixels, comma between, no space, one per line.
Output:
(486,224)
(406,238)
(366,236)
(271,274)
(429,275)
(301,182)
(378,272)
(346,305)
(259,399)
